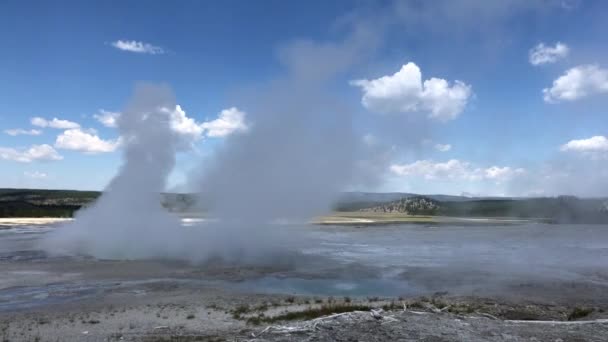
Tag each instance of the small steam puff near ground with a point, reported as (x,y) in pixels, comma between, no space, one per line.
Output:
(283,168)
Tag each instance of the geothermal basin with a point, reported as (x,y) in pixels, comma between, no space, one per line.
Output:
(525,261)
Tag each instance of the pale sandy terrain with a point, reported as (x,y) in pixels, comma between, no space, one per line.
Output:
(375,218)
(22,221)
(346,218)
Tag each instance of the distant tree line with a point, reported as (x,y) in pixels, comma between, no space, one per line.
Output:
(24,209)
(64,203)
(562,209)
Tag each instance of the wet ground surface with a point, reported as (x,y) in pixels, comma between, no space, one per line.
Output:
(558,262)
(526,271)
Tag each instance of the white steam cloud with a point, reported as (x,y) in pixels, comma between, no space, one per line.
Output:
(293,156)
(127,221)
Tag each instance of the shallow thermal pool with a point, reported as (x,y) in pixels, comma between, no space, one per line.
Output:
(389,260)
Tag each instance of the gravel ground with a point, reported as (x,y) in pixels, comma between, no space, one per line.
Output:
(218,315)
(520,283)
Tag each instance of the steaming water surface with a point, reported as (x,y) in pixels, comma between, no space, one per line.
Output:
(330,260)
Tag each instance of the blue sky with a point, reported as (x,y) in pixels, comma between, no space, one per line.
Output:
(71,59)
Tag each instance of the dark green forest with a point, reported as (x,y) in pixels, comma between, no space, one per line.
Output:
(43,203)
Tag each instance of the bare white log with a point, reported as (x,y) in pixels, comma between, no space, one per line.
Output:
(486,315)
(596,321)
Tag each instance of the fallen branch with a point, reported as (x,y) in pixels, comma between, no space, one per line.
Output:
(389,319)
(419,312)
(306,326)
(596,321)
(486,315)
(431,307)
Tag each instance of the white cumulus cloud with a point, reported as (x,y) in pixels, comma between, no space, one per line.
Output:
(107,118)
(596,143)
(578,82)
(502,173)
(138,47)
(543,54)
(454,169)
(229,121)
(184,125)
(19,131)
(36,152)
(54,123)
(443,147)
(87,142)
(35,174)
(405,92)
(451,169)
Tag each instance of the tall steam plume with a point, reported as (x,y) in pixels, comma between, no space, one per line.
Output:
(127,221)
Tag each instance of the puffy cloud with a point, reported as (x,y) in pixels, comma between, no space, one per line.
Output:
(19,131)
(107,118)
(88,142)
(35,174)
(36,152)
(451,169)
(183,125)
(596,143)
(138,47)
(454,169)
(230,121)
(578,82)
(443,147)
(404,92)
(502,173)
(542,54)
(54,123)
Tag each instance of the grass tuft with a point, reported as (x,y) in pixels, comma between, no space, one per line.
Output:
(240,310)
(310,313)
(579,313)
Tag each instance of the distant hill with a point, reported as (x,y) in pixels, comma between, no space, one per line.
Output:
(64,203)
(356,200)
(415,205)
(357,196)
(563,209)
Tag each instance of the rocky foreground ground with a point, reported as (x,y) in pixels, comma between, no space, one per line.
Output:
(222,316)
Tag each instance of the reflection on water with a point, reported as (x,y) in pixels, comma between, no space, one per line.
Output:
(329,287)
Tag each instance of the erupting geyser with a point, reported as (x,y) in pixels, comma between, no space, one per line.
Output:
(127,221)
